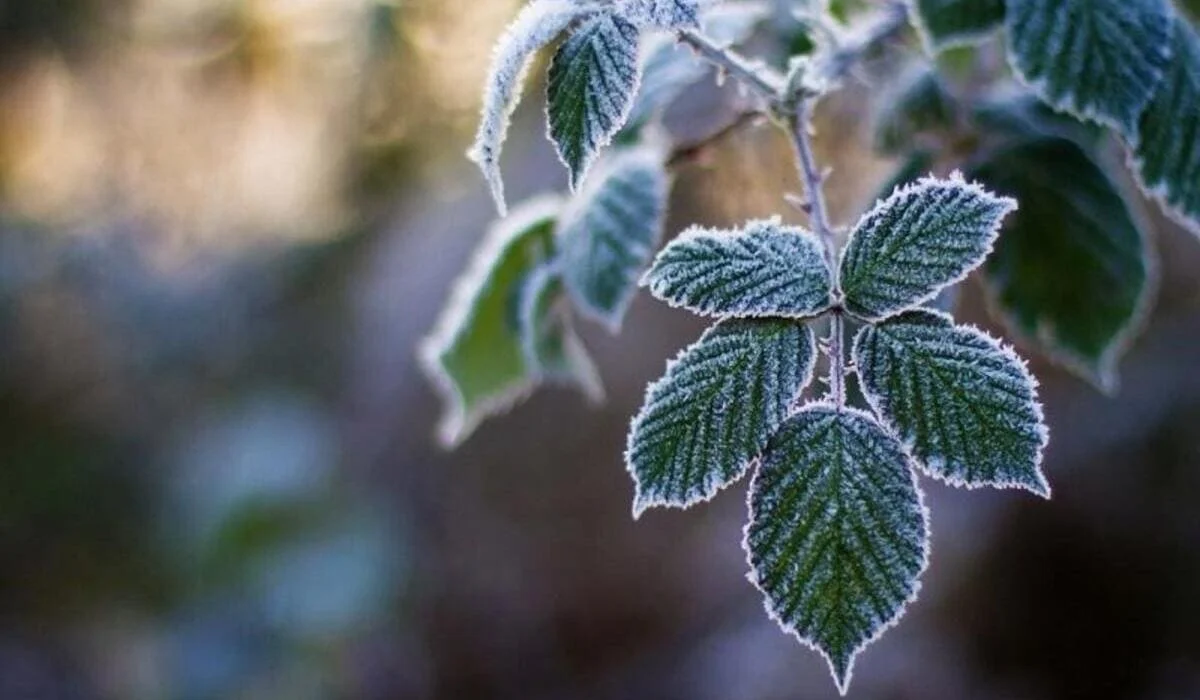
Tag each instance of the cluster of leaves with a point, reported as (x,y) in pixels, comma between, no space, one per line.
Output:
(838,536)
(1074,271)
(509,325)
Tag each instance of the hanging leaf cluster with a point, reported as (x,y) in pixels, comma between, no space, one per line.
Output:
(510,323)
(837,537)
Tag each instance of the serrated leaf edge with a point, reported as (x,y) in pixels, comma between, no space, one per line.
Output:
(1011,205)
(456,423)
(642,504)
(1008,352)
(693,232)
(1040,87)
(843,685)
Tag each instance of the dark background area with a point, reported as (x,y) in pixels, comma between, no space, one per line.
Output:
(224,227)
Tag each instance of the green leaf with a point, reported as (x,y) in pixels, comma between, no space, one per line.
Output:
(943,24)
(537,25)
(476,354)
(593,79)
(765,269)
(924,237)
(920,105)
(610,230)
(838,535)
(1071,269)
(548,340)
(1167,150)
(1098,59)
(711,414)
(964,405)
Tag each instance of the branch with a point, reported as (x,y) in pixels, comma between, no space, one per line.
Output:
(754,75)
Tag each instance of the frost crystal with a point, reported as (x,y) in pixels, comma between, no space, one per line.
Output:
(965,406)
(711,414)
(838,535)
(766,269)
(924,237)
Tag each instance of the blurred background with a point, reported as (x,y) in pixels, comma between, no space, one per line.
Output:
(224,227)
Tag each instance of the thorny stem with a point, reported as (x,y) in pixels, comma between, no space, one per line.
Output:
(794,105)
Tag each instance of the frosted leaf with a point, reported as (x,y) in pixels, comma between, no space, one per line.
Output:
(476,354)
(669,68)
(765,269)
(661,14)
(838,534)
(1167,148)
(610,230)
(592,82)
(711,414)
(537,25)
(924,237)
(550,344)
(964,405)
(921,104)
(1071,270)
(944,24)
(1098,59)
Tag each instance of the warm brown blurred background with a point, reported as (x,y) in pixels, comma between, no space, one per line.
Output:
(224,226)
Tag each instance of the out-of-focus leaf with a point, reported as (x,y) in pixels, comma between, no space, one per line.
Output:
(609,232)
(947,23)
(921,105)
(550,342)
(1071,270)
(476,355)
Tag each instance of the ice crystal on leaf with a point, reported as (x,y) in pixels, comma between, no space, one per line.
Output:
(838,534)
(964,405)
(765,269)
(924,237)
(713,411)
